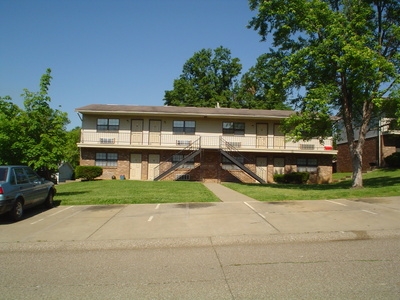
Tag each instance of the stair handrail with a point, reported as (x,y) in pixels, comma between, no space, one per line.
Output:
(193,146)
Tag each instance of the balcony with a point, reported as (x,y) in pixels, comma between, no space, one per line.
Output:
(151,140)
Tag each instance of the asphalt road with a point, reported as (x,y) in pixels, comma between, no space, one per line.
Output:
(233,250)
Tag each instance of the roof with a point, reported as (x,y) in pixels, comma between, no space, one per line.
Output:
(113,109)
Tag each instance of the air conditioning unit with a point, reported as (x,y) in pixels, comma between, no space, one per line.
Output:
(107,141)
(182,177)
(236,144)
(307,146)
(183,143)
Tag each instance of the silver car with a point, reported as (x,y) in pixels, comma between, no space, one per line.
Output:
(20,188)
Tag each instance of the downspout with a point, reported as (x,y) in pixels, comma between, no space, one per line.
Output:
(379,143)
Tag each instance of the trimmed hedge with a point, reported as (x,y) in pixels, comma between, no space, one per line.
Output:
(88,172)
(294,177)
(393,161)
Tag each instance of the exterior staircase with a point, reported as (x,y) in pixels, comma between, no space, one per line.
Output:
(194,149)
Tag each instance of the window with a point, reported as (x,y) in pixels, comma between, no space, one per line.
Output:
(106,159)
(21,176)
(307,165)
(184,127)
(235,128)
(107,124)
(228,165)
(179,157)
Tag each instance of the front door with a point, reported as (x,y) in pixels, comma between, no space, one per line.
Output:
(262,133)
(155,132)
(279,137)
(261,167)
(153,169)
(137,132)
(136,167)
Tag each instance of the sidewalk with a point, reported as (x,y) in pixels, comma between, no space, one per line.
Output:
(225,194)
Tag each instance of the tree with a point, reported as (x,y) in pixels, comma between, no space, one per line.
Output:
(256,89)
(339,56)
(9,131)
(207,79)
(36,135)
(72,154)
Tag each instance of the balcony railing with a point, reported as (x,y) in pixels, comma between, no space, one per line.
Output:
(158,140)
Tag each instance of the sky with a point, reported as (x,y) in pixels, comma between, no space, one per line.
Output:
(115,51)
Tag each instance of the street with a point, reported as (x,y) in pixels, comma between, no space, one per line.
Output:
(338,249)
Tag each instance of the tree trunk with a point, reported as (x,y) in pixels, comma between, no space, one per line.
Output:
(356,155)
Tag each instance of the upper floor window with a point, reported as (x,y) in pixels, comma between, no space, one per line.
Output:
(235,128)
(307,165)
(184,127)
(106,159)
(107,124)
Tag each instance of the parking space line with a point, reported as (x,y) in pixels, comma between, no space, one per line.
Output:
(370,212)
(334,202)
(151,218)
(158,206)
(33,223)
(60,211)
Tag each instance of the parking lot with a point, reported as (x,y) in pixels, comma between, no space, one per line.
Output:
(347,218)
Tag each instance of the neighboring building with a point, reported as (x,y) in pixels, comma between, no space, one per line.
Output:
(380,142)
(65,172)
(197,144)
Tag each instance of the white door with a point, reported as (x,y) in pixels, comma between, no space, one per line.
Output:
(136,167)
(261,167)
(262,133)
(153,170)
(155,132)
(137,132)
(279,137)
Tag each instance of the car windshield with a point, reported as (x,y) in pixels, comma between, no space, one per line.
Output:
(3,174)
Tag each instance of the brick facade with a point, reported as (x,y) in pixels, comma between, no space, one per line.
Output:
(389,145)
(207,166)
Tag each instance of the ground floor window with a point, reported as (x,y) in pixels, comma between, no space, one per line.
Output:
(179,157)
(106,159)
(307,165)
(228,165)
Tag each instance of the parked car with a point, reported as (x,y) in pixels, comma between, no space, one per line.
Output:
(21,188)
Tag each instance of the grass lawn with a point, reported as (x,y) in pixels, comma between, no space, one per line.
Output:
(131,192)
(380,183)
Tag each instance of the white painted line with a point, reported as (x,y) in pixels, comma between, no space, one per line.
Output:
(60,211)
(158,206)
(248,205)
(252,208)
(151,218)
(37,221)
(334,202)
(370,212)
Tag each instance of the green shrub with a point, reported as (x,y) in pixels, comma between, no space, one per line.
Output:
(88,172)
(279,178)
(393,160)
(294,177)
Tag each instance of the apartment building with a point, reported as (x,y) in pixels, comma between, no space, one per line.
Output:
(196,144)
(382,140)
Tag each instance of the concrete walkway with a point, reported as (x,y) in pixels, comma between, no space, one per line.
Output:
(225,194)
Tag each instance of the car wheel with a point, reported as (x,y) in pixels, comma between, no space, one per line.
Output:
(17,211)
(49,200)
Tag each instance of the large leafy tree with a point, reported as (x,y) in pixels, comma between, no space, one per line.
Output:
(208,78)
(10,113)
(35,135)
(258,90)
(339,56)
